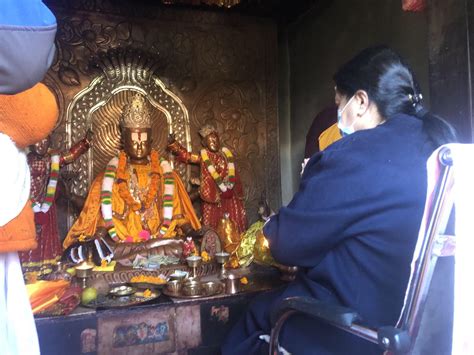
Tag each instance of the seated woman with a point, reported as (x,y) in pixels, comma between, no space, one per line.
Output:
(354,246)
(139,200)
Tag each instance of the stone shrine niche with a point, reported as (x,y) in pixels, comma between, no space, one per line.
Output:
(197,67)
(99,106)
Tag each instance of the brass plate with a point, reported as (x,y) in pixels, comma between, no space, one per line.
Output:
(119,302)
(180,295)
(146,285)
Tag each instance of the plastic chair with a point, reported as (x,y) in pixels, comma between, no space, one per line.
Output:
(432,243)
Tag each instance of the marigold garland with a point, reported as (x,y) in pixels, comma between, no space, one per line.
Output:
(123,178)
(116,172)
(51,188)
(229,184)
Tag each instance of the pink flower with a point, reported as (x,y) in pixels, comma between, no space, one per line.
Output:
(144,234)
(129,239)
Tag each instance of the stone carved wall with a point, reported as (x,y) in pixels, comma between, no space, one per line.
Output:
(221,66)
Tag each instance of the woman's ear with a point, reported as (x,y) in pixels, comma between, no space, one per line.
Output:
(362,99)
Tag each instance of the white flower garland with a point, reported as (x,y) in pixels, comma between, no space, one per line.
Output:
(106,196)
(51,188)
(223,185)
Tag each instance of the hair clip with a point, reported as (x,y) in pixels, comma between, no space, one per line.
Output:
(415,99)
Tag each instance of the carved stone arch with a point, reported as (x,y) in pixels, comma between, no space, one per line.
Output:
(122,72)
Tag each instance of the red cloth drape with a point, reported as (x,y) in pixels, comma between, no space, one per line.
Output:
(214,203)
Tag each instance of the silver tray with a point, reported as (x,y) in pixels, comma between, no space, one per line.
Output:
(219,291)
(119,302)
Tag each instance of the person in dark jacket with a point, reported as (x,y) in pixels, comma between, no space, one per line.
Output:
(352,226)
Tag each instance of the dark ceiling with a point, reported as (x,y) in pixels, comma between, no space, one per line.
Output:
(283,11)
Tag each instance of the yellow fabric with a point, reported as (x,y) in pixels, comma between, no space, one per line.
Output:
(109,267)
(329,136)
(91,218)
(43,294)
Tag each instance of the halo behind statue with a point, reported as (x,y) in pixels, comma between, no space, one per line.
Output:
(123,73)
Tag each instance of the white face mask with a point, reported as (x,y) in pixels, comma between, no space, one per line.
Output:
(345,130)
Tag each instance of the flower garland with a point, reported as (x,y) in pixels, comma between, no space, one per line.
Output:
(123,178)
(223,185)
(106,197)
(51,188)
(168,196)
(117,168)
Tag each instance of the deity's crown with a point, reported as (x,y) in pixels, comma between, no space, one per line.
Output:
(207,130)
(136,114)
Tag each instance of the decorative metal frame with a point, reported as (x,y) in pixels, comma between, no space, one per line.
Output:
(123,70)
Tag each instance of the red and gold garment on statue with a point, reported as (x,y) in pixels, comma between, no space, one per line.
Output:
(215,202)
(48,252)
(41,260)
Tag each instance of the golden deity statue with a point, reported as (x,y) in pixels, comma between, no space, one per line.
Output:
(139,204)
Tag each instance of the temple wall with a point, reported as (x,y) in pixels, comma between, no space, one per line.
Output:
(326,37)
(223,67)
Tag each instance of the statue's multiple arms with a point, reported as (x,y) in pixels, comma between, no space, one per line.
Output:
(183,155)
(77,149)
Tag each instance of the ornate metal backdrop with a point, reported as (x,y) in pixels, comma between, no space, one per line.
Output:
(122,73)
(195,66)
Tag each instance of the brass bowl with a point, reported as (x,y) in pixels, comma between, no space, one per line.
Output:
(231,284)
(174,286)
(193,261)
(83,271)
(178,275)
(192,288)
(122,290)
(222,257)
(211,288)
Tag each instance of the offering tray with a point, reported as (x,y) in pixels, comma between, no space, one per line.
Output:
(145,285)
(123,275)
(110,301)
(214,288)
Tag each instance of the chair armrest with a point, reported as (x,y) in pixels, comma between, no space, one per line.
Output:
(328,312)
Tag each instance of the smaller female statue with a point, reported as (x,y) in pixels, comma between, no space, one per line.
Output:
(220,186)
(44,169)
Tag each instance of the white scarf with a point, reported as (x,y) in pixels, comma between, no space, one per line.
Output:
(17,326)
(14,180)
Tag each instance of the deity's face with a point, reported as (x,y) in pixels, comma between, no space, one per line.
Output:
(137,143)
(41,148)
(211,141)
